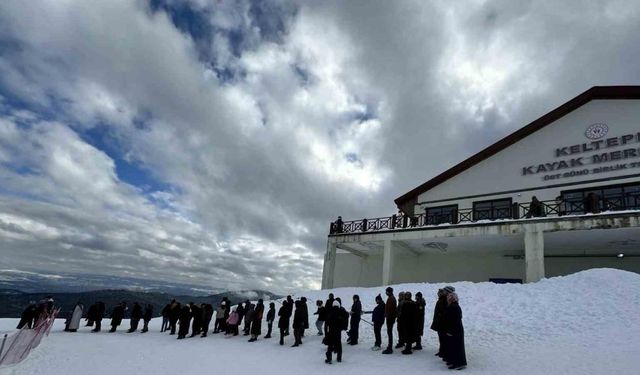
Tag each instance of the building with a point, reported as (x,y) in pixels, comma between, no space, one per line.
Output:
(476,221)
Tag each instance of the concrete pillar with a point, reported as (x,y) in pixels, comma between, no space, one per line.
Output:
(329,268)
(533,252)
(387,262)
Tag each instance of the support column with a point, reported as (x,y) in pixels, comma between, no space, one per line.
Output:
(533,253)
(387,263)
(329,268)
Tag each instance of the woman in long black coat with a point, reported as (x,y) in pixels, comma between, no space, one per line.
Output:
(437,323)
(336,322)
(454,354)
(185,319)
(298,323)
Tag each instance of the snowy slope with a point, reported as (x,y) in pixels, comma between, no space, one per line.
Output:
(586,323)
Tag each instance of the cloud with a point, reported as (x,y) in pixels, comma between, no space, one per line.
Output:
(211,143)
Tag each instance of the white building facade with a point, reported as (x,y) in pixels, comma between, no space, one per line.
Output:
(474,222)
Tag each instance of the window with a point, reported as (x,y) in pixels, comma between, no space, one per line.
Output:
(611,198)
(442,214)
(492,210)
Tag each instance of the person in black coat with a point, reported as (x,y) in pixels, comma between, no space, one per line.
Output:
(98,315)
(536,208)
(28,316)
(305,317)
(337,319)
(90,314)
(241,312)
(165,317)
(146,317)
(328,304)
(117,314)
(356,315)
(283,320)
(322,316)
(271,316)
(438,317)
(298,324)
(420,306)
(207,315)
(196,313)
(290,305)
(256,323)
(409,323)
(454,355)
(377,318)
(136,315)
(174,316)
(185,319)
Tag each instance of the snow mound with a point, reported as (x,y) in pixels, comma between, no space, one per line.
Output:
(585,323)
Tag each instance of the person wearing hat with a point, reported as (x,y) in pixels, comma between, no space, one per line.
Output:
(377,318)
(354,324)
(455,355)
(271,316)
(409,322)
(438,314)
(390,314)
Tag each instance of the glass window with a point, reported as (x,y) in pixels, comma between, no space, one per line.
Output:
(492,210)
(442,214)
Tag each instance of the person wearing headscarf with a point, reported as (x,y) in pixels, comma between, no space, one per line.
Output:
(271,316)
(438,318)
(455,355)
(232,323)
(136,315)
(220,324)
(420,310)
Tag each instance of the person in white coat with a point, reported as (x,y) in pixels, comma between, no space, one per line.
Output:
(76,316)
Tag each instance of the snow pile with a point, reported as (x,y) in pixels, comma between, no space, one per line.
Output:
(586,323)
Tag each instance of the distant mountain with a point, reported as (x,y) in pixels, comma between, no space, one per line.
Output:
(13,302)
(36,282)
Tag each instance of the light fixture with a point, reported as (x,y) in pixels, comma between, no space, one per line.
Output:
(620,255)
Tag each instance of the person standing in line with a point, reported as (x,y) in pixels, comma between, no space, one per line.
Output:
(117,314)
(377,318)
(248,319)
(146,317)
(76,316)
(98,315)
(256,323)
(232,323)
(400,321)
(305,314)
(290,305)
(356,315)
(390,314)
(241,313)
(207,315)
(271,316)
(321,312)
(91,312)
(136,315)
(438,319)
(196,313)
(283,320)
(298,324)
(174,315)
(220,323)
(328,304)
(409,323)
(165,317)
(185,319)
(337,318)
(420,307)
(455,355)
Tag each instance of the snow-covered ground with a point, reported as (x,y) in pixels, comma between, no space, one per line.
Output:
(586,323)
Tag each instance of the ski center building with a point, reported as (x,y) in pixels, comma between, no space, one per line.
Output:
(479,221)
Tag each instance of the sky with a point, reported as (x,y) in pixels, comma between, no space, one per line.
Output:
(212,142)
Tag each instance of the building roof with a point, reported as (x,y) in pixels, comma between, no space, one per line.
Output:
(597,92)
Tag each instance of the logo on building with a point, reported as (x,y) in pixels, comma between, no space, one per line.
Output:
(596,131)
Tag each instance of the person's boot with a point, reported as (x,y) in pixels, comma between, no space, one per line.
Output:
(399,345)
(388,350)
(339,357)
(418,346)
(267,337)
(281,342)
(328,359)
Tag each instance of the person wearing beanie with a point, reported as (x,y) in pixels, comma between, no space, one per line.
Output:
(354,324)
(390,314)
(436,323)
(409,323)
(271,316)
(449,289)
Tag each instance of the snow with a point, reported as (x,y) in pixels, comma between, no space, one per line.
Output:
(585,323)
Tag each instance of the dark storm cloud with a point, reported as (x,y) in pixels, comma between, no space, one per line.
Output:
(212,142)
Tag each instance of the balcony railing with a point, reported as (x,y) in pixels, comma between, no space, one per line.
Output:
(469,215)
